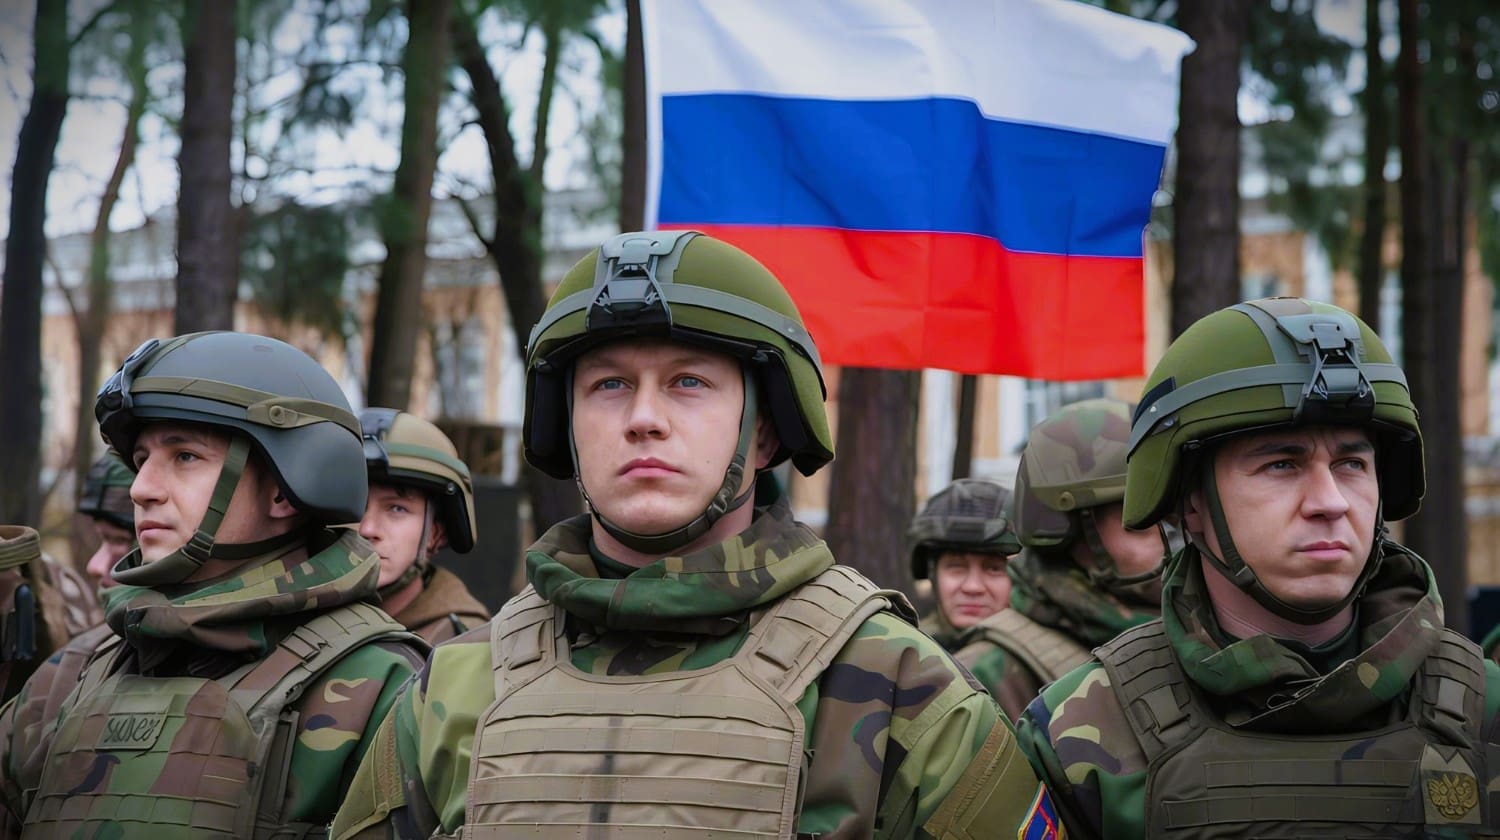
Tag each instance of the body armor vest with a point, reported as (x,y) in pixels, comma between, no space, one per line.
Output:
(710,753)
(190,757)
(1423,775)
(1047,652)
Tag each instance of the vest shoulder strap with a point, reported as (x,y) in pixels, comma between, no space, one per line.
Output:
(1048,652)
(1151,688)
(798,638)
(1448,697)
(523,640)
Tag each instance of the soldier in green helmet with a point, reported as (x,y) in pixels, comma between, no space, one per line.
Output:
(1300,682)
(1082,578)
(248,664)
(105,500)
(421,499)
(685,664)
(962,541)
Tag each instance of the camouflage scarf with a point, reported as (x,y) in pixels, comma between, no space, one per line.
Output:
(707,592)
(1262,684)
(1053,591)
(239,613)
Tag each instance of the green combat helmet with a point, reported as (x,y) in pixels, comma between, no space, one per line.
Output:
(968,515)
(1263,365)
(267,395)
(1074,462)
(106,492)
(688,287)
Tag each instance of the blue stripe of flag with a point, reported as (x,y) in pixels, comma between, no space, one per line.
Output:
(910,165)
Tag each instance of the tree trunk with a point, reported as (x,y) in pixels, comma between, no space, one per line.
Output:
(633,136)
(963,447)
(403,220)
(208,254)
(514,244)
(873,493)
(1206,203)
(1377,145)
(25,251)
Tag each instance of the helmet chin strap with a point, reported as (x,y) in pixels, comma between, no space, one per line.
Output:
(1103,573)
(185,561)
(419,563)
(722,503)
(1233,566)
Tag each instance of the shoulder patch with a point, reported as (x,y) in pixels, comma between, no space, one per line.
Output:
(1041,821)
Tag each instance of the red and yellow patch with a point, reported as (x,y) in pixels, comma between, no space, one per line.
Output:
(1041,821)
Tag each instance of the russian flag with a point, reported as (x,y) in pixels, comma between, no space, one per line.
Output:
(940,183)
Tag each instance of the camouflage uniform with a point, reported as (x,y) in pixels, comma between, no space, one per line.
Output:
(1178,729)
(32,623)
(80,601)
(895,739)
(202,647)
(404,450)
(1074,462)
(967,516)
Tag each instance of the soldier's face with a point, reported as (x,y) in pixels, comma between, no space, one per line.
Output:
(1134,552)
(392,523)
(1301,507)
(970,586)
(177,467)
(114,543)
(655,424)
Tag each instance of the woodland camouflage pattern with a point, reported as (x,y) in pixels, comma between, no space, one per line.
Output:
(80,598)
(444,609)
(209,628)
(56,615)
(1054,592)
(1077,737)
(891,724)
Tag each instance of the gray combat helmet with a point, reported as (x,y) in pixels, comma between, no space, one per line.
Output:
(267,395)
(969,515)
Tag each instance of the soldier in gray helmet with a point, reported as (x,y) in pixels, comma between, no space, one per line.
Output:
(1081,578)
(248,661)
(962,541)
(421,499)
(105,500)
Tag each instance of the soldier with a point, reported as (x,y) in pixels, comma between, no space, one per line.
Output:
(684,664)
(105,500)
(1082,578)
(249,664)
(421,498)
(962,542)
(1300,682)
(33,620)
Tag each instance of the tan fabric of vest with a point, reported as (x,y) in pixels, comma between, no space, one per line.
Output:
(1047,652)
(1419,777)
(711,753)
(187,757)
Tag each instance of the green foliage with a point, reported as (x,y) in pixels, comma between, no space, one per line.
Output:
(294,259)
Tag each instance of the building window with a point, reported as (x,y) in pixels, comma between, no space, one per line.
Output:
(1044,398)
(1390,313)
(1259,285)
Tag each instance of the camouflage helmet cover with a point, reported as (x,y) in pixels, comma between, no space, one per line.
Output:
(683,286)
(403,449)
(969,515)
(291,410)
(1262,365)
(106,492)
(1074,459)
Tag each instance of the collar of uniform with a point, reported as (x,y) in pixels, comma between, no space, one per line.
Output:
(709,591)
(233,613)
(1261,682)
(1054,592)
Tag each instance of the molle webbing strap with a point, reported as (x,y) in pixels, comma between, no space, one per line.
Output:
(1449,696)
(796,641)
(524,640)
(1150,687)
(1049,653)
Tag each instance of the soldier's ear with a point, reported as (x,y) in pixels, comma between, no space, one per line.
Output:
(766,441)
(1194,519)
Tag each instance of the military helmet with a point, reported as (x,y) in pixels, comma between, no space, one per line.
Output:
(969,515)
(689,287)
(1073,460)
(105,493)
(403,449)
(1261,365)
(289,407)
